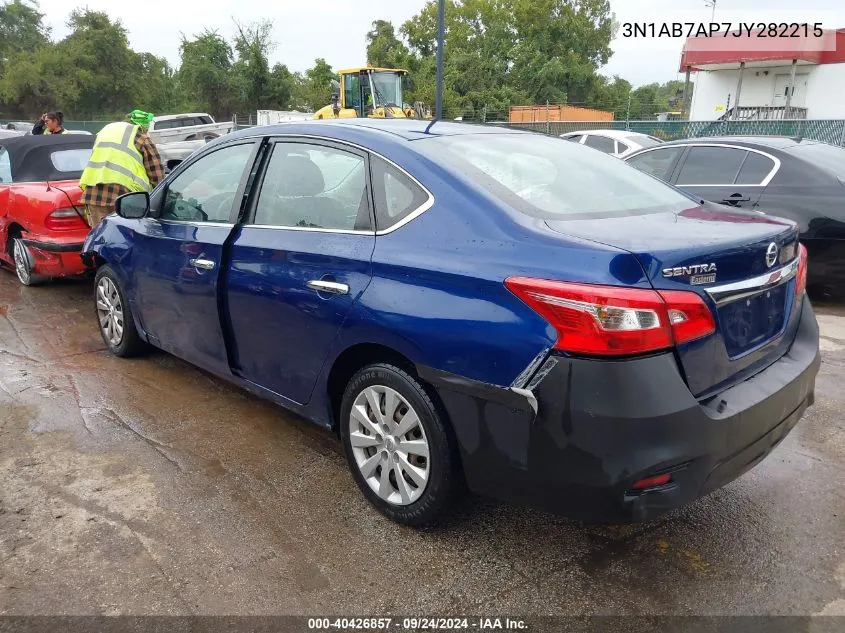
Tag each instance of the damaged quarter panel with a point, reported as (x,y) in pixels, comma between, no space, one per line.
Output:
(112,243)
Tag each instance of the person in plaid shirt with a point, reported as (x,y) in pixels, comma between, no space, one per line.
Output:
(99,196)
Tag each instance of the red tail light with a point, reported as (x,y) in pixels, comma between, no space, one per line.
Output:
(801,279)
(613,321)
(65,219)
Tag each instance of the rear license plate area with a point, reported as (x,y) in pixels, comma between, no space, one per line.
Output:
(751,322)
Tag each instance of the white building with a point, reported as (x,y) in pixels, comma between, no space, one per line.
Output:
(818,86)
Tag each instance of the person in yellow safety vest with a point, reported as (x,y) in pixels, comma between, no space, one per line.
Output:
(50,123)
(124,159)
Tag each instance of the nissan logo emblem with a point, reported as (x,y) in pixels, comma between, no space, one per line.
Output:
(771,254)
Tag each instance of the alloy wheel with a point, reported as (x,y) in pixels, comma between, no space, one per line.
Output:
(389,445)
(22,266)
(110,311)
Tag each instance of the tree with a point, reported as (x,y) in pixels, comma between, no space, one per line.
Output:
(96,57)
(205,74)
(509,51)
(22,33)
(253,44)
(160,92)
(283,86)
(21,28)
(384,49)
(315,87)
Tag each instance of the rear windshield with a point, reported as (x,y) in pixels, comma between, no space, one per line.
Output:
(552,179)
(646,141)
(70,160)
(828,157)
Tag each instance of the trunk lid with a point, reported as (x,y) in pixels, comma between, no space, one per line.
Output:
(710,247)
(71,190)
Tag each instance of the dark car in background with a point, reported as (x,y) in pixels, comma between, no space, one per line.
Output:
(794,178)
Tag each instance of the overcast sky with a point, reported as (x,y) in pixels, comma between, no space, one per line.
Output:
(335,29)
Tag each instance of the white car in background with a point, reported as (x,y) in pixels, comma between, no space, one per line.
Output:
(619,143)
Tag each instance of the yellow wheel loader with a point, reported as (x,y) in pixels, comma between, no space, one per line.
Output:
(371,92)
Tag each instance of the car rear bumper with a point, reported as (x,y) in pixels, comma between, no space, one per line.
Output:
(602,425)
(59,258)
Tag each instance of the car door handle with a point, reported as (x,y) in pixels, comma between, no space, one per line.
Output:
(205,264)
(737,197)
(330,287)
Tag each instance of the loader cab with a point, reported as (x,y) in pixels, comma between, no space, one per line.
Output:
(366,90)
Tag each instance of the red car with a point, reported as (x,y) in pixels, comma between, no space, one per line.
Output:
(42,224)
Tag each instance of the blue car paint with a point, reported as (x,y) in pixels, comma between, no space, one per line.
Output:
(435,295)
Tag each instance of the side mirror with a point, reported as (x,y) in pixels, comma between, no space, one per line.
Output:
(133,206)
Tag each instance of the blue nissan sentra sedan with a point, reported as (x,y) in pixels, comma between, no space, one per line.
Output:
(472,304)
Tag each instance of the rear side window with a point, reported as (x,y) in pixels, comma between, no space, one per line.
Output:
(621,147)
(396,195)
(575,138)
(658,162)
(755,169)
(5,166)
(711,166)
(72,160)
(601,143)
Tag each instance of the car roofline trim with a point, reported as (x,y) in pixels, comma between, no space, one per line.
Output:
(692,143)
(425,206)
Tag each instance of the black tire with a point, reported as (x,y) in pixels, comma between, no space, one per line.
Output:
(441,486)
(24,263)
(129,343)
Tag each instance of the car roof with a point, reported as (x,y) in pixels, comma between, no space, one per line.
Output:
(405,129)
(170,117)
(617,134)
(30,155)
(772,142)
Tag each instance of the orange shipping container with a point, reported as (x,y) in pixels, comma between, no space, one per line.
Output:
(541,113)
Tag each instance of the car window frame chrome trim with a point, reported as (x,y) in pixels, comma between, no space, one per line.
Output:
(764,183)
(728,293)
(425,206)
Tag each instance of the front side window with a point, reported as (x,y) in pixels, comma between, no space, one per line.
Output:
(657,162)
(206,190)
(314,186)
(543,177)
(711,166)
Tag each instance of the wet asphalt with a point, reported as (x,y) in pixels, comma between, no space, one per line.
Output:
(149,487)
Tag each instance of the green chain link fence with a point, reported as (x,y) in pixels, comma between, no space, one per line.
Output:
(826,130)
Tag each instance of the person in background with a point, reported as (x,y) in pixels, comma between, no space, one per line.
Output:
(124,159)
(50,123)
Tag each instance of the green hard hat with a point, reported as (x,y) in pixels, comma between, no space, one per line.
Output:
(139,117)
